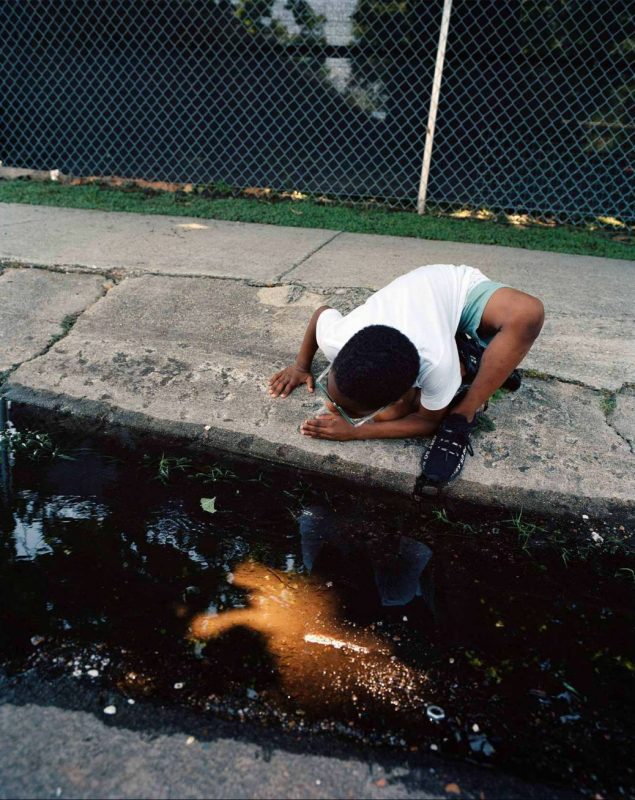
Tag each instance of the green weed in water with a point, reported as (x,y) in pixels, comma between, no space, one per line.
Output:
(35,445)
(168,465)
(215,473)
(441,515)
(526,530)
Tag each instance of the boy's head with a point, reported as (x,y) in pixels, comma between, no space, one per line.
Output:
(374,368)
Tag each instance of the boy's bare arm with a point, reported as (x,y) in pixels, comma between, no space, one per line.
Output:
(517,318)
(284,382)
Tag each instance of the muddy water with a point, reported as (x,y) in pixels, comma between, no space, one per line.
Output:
(316,607)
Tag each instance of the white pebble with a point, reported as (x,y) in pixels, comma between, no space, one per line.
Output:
(93,673)
(585,516)
(475,728)
(130,701)
(190,740)
(207,427)
(179,685)
(110,710)
(405,619)
(434,747)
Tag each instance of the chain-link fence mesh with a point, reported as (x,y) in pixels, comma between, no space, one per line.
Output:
(330,97)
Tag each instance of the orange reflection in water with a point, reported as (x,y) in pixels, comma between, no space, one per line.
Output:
(322,660)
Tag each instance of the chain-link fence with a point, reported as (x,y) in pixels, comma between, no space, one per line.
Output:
(330,97)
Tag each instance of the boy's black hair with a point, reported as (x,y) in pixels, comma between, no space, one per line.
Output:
(376,366)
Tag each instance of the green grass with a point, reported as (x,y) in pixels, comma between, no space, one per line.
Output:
(66,326)
(608,402)
(310,214)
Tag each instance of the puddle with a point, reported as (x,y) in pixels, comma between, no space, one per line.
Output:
(311,606)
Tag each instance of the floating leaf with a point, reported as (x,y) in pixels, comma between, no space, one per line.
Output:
(209,504)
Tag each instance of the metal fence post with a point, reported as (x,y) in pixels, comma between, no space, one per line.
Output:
(434,102)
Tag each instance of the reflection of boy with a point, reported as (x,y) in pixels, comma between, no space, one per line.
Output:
(397,568)
(399,348)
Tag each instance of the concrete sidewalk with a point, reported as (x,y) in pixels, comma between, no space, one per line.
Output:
(181,321)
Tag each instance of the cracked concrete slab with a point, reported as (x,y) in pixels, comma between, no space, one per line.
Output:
(192,358)
(35,304)
(597,351)
(135,243)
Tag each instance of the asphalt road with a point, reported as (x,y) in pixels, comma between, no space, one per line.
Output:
(56,741)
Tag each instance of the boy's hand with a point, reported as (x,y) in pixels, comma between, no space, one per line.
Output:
(329,426)
(285,381)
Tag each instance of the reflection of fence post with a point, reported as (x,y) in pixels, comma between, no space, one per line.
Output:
(434,102)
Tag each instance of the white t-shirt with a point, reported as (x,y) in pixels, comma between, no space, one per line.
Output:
(425,305)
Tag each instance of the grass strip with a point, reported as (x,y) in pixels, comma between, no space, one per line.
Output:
(310,214)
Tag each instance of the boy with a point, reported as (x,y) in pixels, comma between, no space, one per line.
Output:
(395,361)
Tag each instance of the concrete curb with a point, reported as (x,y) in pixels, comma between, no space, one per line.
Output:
(115,421)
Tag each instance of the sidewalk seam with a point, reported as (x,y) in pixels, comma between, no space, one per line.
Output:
(539,375)
(609,418)
(627,442)
(308,256)
(119,274)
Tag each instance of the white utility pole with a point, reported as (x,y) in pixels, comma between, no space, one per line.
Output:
(434,103)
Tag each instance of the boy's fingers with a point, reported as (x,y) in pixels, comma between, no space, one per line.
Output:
(316,433)
(274,385)
(289,387)
(316,424)
(278,387)
(310,430)
(310,383)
